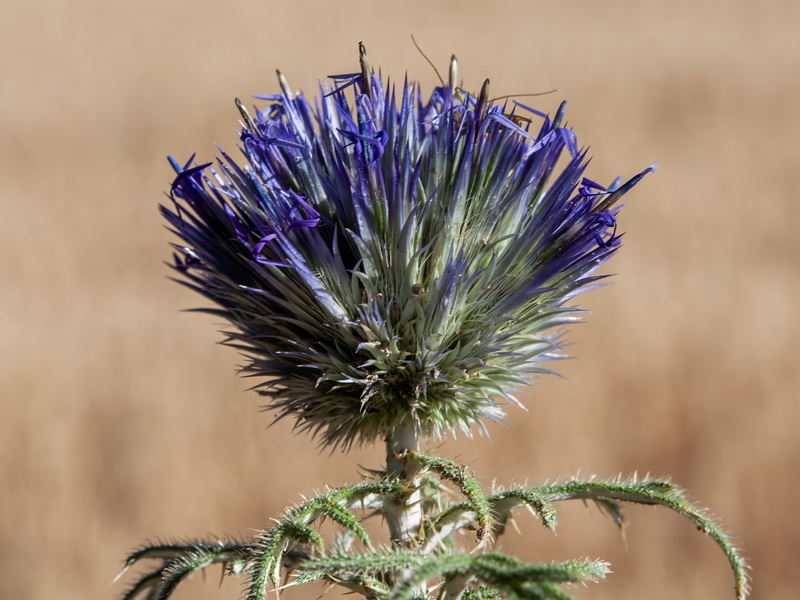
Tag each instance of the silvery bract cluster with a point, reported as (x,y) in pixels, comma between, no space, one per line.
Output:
(392,260)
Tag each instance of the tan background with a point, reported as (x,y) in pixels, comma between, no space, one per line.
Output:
(122,420)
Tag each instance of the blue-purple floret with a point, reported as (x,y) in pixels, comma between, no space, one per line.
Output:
(390,261)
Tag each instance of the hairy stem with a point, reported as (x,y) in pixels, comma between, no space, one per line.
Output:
(403,510)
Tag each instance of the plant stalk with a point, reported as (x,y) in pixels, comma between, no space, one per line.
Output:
(404,512)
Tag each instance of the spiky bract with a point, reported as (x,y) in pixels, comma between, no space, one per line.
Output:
(388,260)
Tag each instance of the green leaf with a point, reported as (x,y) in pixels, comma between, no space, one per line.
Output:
(511,576)
(654,492)
(483,592)
(294,527)
(367,563)
(465,481)
(179,560)
(449,566)
(504,502)
(179,569)
(148,581)
(343,517)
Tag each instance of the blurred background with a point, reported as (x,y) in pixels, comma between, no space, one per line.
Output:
(122,419)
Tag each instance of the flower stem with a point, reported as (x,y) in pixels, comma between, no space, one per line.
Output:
(404,511)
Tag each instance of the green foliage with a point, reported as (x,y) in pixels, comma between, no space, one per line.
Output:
(659,492)
(467,484)
(293,552)
(515,578)
(294,528)
(178,561)
(504,502)
(482,592)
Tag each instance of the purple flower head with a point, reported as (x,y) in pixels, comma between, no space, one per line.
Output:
(390,260)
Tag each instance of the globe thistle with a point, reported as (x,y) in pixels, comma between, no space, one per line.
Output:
(392,261)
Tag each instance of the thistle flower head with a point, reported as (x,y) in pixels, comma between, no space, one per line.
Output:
(389,260)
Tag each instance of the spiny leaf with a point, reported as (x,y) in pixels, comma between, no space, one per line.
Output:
(514,577)
(343,517)
(177,570)
(448,565)
(266,562)
(303,534)
(272,545)
(657,492)
(453,512)
(294,526)
(369,562)
(308,577)
(174,549)
(540,591)
(503,502)
(379,486)
(534,581)
(157,550)
(501,569)
(366,585)
(482,592)
(465,481)
(178,562)
(145,582)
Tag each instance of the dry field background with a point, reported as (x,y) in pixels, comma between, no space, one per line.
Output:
(122,420)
